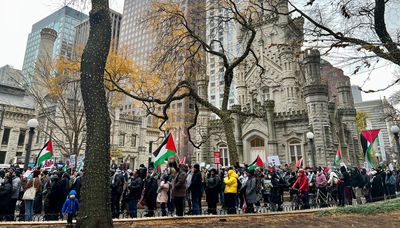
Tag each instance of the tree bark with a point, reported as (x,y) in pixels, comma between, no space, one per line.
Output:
(96,206)
(230,139)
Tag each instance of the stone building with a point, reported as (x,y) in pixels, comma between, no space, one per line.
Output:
(292,99)
(16,108)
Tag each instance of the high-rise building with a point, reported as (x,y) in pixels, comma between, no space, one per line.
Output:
(356,94)
(224,32)
(63,21)
(83,29)
(137,39)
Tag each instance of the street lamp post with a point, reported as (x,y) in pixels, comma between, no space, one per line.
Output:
(310,137)
(32,124)
(395,130)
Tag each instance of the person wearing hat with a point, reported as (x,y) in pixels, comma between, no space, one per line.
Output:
(70,207)
(213,187)
(195,189)
(302,185)
(179,190)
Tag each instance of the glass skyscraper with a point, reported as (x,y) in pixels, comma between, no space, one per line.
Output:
(63,22)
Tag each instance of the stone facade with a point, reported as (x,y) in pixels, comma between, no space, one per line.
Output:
(292,99)
(16,108)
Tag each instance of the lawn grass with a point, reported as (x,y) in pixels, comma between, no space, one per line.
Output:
(366,209)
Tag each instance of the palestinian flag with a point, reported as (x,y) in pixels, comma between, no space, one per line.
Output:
(367,139)
(165,150)
(338,157)
(258,163)
(45,153)
(298,163)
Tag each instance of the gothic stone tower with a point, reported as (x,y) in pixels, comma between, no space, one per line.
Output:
(316,97)
(347,122)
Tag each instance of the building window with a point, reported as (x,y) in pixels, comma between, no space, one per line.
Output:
(121,140)
(295,153)
(2,157)
(257,142)
(133,141)
(6,136)
(223,149)
(21,138)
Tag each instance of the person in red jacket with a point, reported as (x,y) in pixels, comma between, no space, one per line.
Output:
(302,184)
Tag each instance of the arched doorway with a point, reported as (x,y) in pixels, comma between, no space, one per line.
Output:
(257,147)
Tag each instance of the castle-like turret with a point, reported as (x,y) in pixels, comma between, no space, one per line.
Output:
(347,116)
(316,97)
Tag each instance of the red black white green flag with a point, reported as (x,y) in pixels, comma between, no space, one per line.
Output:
(165,150)
(338,157)
(45,153)
(369,146)
(258,163)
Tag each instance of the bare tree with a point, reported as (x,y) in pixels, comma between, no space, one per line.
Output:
(359,26)
(182,48)
(56,91)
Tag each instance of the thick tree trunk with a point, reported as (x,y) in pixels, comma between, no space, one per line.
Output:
(96,210)
(230,139)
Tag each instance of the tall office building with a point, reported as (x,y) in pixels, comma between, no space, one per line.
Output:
(139,41)
(224,32)
(63,21)
(83,29)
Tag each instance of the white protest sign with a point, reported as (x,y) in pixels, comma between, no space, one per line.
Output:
(274,160)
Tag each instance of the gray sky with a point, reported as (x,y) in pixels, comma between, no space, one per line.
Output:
(18,16)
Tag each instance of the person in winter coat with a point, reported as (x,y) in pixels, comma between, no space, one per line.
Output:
(357,184)
(231,183)
(302,185)
(391,185)
(321,182)
(276,198)
(5,197)
(347,190)
(251,191)
(16,188)
(195,189)
(213,186)
(117,183)
(162,196)
(71,206)
(377,189)
(134,193)
(29,204)
(179,190)
(150,194)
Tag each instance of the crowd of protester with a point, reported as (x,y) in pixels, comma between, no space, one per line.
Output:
(180,189)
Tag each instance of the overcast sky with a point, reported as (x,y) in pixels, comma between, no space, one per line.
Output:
(18,16)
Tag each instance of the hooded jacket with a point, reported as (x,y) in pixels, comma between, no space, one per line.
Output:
(71,205)
(231,182)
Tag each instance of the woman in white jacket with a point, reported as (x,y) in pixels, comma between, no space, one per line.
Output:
(162,196)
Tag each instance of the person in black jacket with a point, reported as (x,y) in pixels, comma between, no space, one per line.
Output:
(377,188)
(357,184)
(134,193)
(347,190)
(213,188)
(5,197)
(150,194)
(117,184)
(195,189)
